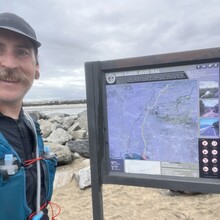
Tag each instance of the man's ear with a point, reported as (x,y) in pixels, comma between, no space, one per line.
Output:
(37,72)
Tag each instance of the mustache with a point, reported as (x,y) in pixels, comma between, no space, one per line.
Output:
(13,75)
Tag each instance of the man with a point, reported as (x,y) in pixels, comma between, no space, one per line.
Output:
(25,188)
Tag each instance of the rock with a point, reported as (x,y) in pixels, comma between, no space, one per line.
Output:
(67,173)
(57,118)
(63,178)
(74,127)
(62,129)
(83,177)
(59,136)
(83,123)
(76,155)
(47,127)
(52,115)
(86,162)
(80,134)
(35,115)
(68,122)
(64,154)
(67,137)
(79,146)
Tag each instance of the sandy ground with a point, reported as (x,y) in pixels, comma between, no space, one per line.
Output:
(135,203)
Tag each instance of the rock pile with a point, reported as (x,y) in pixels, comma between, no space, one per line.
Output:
(67,137)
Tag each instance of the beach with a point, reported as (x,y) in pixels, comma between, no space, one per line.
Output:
(134,203)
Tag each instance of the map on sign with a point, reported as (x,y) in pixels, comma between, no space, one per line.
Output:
(145,118)
(158,120)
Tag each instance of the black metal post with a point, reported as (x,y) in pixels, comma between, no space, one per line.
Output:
(95,155)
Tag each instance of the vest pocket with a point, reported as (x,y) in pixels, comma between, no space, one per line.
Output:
(13,197)
(49,167)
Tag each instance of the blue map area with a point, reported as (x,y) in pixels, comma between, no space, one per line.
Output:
(155,121)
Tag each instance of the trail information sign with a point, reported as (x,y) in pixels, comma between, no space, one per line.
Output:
(154,122)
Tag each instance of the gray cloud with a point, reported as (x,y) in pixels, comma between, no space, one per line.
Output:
(73,32)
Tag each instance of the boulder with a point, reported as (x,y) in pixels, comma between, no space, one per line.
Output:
(82,119)
(74,127)
(68,122)
(80,134)
(64,154)
(83,177)
(52,115)
(79,146)
(59,136)
(35,115)
(62,178)
(48,127)
(57,118)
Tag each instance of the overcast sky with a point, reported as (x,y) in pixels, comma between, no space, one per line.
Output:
(73,32)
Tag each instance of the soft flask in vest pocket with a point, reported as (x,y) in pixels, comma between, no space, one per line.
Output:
(13,197)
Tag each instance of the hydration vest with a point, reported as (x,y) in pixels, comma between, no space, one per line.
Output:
(13,187)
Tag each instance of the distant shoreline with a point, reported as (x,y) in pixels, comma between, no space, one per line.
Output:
(54,102)
(70,109)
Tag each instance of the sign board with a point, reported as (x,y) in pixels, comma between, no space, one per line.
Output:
(154,121)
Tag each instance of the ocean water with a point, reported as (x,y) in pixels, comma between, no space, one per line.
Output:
(70,109)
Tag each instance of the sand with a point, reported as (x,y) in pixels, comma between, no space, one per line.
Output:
(135,203)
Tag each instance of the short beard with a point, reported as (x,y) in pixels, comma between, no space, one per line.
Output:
(13,75)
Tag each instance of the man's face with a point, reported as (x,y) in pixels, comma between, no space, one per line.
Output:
(18,67)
